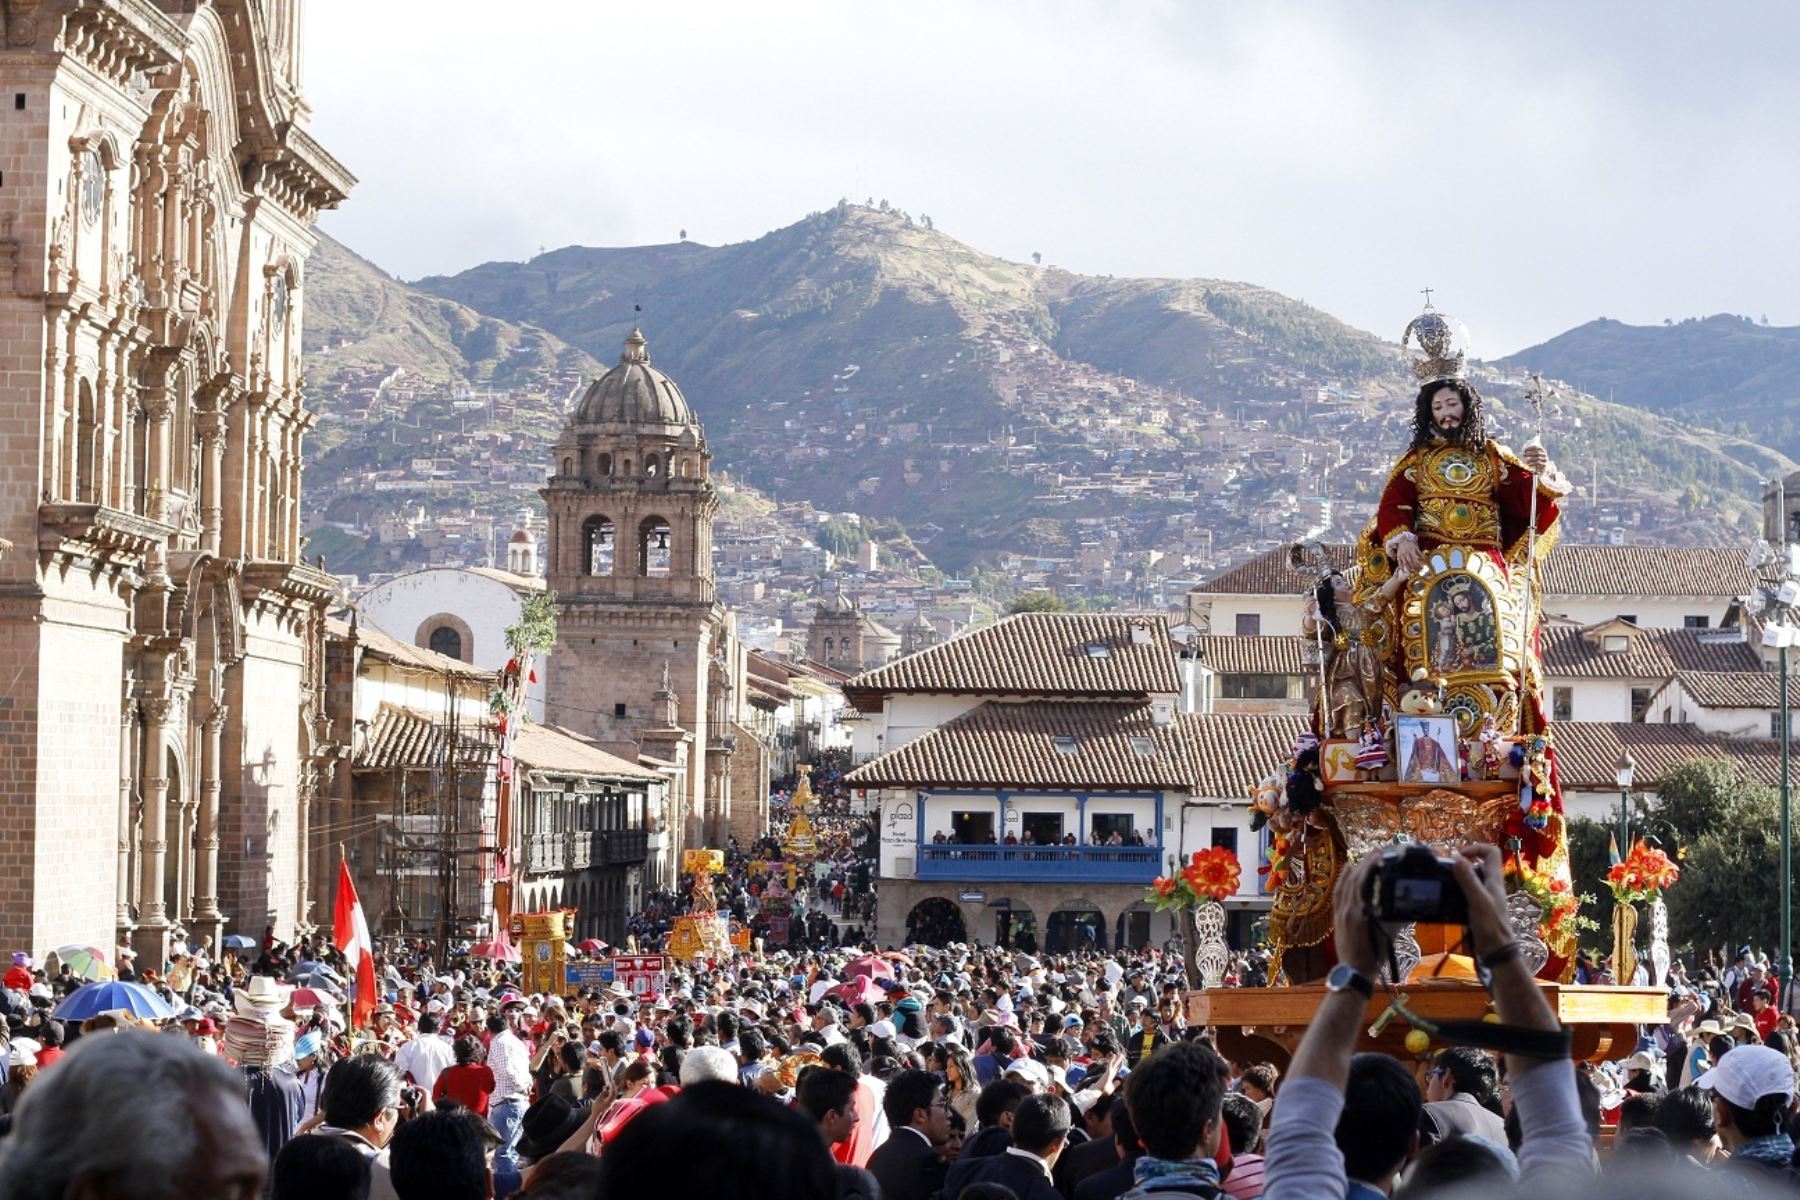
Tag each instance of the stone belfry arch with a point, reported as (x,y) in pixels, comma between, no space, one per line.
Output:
(630,559)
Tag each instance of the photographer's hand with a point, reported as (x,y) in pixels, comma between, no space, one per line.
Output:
(1518,1001)
(1324,1053)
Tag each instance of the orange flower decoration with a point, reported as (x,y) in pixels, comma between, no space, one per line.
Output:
(1213,873)
(1165,886)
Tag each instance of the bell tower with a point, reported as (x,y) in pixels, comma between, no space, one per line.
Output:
(629,558)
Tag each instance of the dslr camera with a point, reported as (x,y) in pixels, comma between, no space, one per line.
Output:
(1411,883)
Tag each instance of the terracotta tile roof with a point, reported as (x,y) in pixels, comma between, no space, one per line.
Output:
(1587,753)
(1579,651)
(1035,654)
(1071,745)
(406,739)
(1267,654)
(558,751)
(1734,689)
(1232,751)
(1571,570)
(1269,573)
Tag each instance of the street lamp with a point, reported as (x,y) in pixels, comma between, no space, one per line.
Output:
(1622,772)
(1778,565)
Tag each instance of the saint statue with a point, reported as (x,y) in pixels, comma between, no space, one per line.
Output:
(1443,598)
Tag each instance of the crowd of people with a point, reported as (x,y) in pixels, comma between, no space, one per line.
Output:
(826,1068)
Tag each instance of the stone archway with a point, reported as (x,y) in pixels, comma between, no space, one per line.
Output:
(935,921)
(1075,925)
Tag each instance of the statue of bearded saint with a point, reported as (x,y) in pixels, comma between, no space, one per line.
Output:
(1458,491)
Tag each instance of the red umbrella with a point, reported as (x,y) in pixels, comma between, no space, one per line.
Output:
(899,956)
(306,997)
(872,966)
(499,949)
(860,990)
(592,946)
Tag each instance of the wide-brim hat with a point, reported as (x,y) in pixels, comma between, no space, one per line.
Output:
(260,996)
(547,1125)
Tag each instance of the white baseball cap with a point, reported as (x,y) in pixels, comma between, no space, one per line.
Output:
(1745,1074)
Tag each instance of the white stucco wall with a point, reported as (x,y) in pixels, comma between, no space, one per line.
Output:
(400,606)
(1650,612)
(1280,614)
(1199,819)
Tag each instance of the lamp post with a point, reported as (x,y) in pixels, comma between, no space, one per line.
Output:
(1778,562)
(1622,772)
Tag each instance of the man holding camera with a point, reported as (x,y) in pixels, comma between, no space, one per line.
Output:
(1322,1114)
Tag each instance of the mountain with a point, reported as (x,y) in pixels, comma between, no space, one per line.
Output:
(864,360)
(1724,372)
(358,316)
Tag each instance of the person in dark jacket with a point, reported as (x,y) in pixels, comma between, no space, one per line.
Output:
(828,1097)
(908,1165)
(1040,1131)
(1116,1180)
(994,1113)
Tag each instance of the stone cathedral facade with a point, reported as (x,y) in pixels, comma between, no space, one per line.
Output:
(647,660)
(161,716)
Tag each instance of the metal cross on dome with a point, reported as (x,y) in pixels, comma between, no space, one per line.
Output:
(1427,292)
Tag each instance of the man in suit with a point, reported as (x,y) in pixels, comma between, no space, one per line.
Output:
(1040,1131)
(1097,1153)
(908,1165)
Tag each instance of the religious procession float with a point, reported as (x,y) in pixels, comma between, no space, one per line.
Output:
(1428,729)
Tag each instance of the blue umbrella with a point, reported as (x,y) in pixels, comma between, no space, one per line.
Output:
(239,942)
(111,995)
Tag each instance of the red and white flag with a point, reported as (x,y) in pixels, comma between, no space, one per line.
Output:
(351,933)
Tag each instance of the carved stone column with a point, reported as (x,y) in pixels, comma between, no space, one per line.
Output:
(208,920)
(127,727)
(211,425)
(150,937)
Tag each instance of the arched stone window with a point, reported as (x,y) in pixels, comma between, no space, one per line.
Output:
(447,634)
(654,537)
(597,544)
(446,641)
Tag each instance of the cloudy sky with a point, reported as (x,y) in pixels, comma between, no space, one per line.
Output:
(1538,163)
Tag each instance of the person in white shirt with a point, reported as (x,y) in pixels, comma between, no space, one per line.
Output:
(426,1056)
(510,1062)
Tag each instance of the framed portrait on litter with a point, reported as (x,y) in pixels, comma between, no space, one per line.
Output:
(1426,749)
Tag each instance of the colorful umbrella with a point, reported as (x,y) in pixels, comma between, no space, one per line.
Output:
(872,966)
(92,999)
(497,949)
(860,990)
(308,997)
(85,961)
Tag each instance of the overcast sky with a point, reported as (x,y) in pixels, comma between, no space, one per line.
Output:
(1538,163)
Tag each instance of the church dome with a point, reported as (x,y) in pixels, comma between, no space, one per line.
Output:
(634,393)
(521,537)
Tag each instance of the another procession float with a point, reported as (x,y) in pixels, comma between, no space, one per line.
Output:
(1429,728)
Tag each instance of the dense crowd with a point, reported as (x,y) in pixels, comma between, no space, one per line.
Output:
(825,1068)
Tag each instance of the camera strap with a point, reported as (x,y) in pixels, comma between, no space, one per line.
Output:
(1483,1035)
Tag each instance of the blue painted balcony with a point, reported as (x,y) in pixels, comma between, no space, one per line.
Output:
(956,863)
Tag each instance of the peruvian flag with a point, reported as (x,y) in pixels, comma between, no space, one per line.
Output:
(351,933)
